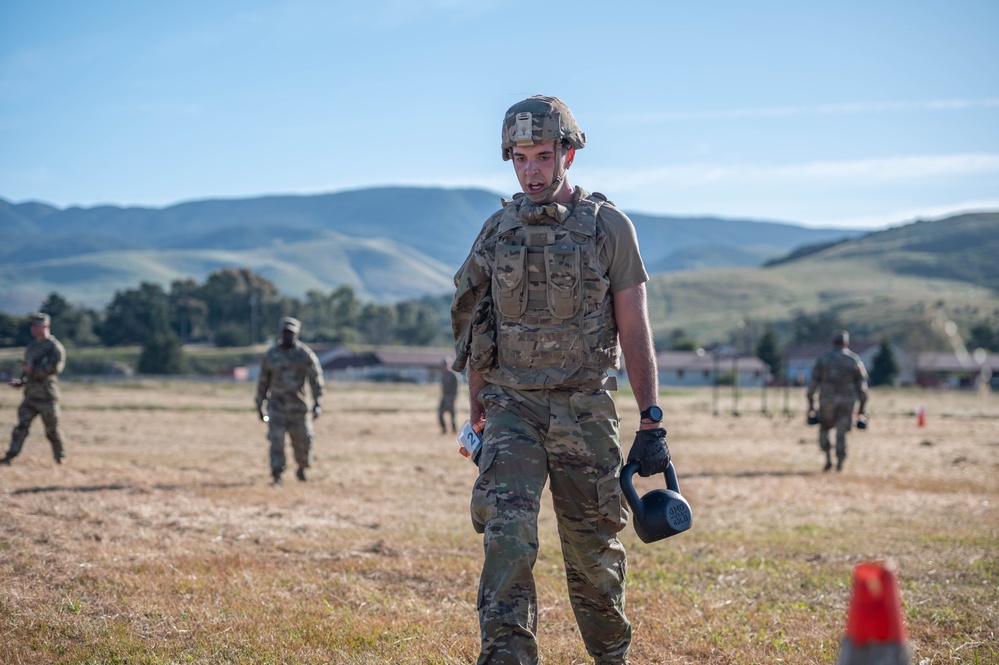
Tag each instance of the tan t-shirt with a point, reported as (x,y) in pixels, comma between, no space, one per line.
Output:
(620,251)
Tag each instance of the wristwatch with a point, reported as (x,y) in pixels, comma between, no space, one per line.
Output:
(653,413)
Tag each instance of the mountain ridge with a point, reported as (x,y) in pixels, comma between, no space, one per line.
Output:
(106,246)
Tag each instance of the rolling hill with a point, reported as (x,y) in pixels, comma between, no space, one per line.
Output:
(903,282)
(389,243)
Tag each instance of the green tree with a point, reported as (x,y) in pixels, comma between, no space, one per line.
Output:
(238,296)
(346,312)
(377,323)
(768,350)
(818,327)
(983,336)
(680,341)
(316,315)
(230,335)
(188,312)
(884,367)
(14,330)
(162,354)
(135,315)
(60,312)
(416,324)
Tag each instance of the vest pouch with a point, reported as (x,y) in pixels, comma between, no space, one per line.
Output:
(509,283)
(482,346)
(564,279)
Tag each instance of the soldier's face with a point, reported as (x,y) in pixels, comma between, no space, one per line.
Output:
(39,330)
(288,337)
(536,167)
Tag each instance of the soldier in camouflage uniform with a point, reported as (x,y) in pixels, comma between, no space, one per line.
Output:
(553,282)
(44,359)
(449,393)
(284,370)
(841,379)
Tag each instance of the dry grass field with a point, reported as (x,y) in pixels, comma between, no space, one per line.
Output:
(160,540)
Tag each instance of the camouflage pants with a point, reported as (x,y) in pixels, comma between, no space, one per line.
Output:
(49,411)
(298,426)
(838,416)
(572,439)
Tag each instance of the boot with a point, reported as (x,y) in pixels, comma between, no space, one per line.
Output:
(828,462)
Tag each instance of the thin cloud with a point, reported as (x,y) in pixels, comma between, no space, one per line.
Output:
(858,172)
(813,110)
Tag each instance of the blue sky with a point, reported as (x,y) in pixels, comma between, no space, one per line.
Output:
(847,114)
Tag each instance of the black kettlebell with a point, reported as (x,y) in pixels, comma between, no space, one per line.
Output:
(660,513)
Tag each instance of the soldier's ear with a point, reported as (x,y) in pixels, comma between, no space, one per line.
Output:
(570,155)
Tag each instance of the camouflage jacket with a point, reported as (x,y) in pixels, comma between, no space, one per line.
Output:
(840,377)
(46,358)
(283,374)
(533,307)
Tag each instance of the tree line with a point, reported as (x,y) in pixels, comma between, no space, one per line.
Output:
(236,307)
(233,307)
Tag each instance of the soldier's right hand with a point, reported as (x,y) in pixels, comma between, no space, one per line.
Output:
(260,413)
(650,450)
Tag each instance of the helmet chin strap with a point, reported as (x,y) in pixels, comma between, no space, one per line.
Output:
(547,194)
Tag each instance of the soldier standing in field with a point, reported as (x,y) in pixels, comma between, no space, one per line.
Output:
(284,370)
(449,393)
(553,282)
(841,379)
(44,359)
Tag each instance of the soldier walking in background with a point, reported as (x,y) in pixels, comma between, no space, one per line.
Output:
(841,379)
(44,359)
(284,370)
(449,393)
(553,282)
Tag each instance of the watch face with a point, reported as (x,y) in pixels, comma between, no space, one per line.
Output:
(654,413)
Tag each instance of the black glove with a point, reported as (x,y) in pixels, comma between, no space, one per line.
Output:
(650,451)
(316,411)
(260,412)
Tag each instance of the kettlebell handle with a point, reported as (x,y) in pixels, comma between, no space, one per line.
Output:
(631,468)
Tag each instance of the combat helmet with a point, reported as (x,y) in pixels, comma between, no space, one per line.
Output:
(537,119)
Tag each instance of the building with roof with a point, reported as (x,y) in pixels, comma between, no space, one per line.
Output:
(704,368)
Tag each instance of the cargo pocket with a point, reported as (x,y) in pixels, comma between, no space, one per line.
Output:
(509,285)
(613,510)
(483,504)
(562,264)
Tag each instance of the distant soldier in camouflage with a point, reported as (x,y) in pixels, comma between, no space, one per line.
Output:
(449,393)
(44,359)
(841,379)
(553,282)
(284,371)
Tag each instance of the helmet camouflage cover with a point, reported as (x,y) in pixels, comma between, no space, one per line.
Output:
(537,119)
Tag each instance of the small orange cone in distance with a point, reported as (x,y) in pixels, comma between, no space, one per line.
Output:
(874,631)
(921,417)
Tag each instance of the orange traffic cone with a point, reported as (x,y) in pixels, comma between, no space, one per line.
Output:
(874,631)
(921,417)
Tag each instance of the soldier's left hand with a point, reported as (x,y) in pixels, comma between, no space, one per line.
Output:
(650,451)
(316,411)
